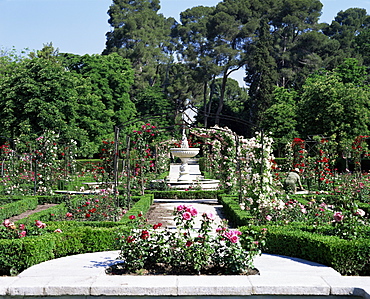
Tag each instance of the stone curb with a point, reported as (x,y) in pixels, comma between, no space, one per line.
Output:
(84,275)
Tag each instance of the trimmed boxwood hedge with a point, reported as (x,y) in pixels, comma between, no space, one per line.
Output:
(76,238)
(45,215)
(233,212)
(348,257)
(18,207)
(140,206)
(192,194)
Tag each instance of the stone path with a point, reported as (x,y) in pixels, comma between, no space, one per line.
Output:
(162,211)
(39,208)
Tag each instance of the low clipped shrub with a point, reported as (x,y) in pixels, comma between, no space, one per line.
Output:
(45,215)
(18,207)
(191,194)
(313,243)
(233,211)
(63,238)
(348,257)
(141,206)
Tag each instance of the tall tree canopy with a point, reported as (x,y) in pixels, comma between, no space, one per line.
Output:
(41,93)
(141,35)
(335,104)
(111,78)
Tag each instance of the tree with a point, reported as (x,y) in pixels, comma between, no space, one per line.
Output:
(235,98)
(141,35)
(332,106)
(350,71)
(213,40)
(280,119)
(32,95)
(111,78)
(40,94)
(346,26)
(47,52)
(261,74)
(290,22)
(152,102)
(195,51)
(362,46)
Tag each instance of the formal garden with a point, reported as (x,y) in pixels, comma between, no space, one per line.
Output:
(100,204)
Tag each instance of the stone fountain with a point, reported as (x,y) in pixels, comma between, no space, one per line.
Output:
(187,175)
(184,153)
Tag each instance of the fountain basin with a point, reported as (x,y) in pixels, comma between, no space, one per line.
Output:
(184,153)
(189,152)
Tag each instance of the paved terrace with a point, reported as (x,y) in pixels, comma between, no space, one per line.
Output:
(84,275)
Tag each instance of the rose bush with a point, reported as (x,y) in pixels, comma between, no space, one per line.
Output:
(10,230)
(186,250)
(93,207)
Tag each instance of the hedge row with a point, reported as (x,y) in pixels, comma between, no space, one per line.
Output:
(349,257)
(19,254)
(193,194)
(18,207)
(45,215)
(232,210)
(141,206)
(76,238)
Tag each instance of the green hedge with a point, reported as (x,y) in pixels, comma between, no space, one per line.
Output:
(232,210)
(11,198)
(56,198)
(141,206)
(18,207)
(193,194)
(76,238)
(33,250)
(349,257)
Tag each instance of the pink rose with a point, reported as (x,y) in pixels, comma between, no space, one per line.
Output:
(209,215)
(7,223)
(234,239)
(232,235)
(186,216)
(193,211)
(58,230)
(268,218)
(69,215)
(180,208)
(40,224)
(360,212)
(22,234)
(22,226)
(338,216)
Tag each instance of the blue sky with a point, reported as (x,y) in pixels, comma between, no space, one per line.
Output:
(79,26)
